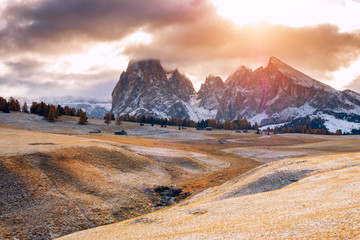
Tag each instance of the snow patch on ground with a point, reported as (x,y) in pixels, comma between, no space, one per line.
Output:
(156,132)
(333,124)
(273,126)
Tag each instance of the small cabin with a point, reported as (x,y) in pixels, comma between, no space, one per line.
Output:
(199,128)
(238,130)
(120,132)
(95,131)
(208,128)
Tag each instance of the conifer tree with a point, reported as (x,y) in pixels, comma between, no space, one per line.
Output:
(107,118)
(6,108)
(276,130)
(2,103)
(14,104)
(118,120)
(25,108)
(33,108)
(83,118)
(52,115)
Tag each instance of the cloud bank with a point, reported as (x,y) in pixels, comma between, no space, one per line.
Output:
(36,37)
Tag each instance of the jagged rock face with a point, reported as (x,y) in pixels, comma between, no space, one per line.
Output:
(275,94)
(146,89)
(211,92)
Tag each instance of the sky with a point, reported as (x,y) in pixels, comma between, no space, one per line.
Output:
(80,47)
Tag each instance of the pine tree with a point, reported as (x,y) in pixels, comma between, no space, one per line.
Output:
(118,120)
(17,106)
(33,108)
(276,130)
(2,103)
(107,118)
(338,132)
(52,115)
(83,118)
(6,108)
(25,108)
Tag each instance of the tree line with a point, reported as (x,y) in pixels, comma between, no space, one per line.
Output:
(11,105)
(216,124)
(48,111)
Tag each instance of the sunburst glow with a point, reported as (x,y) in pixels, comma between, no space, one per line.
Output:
(291,13)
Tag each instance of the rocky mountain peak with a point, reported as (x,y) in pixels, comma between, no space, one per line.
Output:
(299,78)
(146,89)
(273,61)
(211,92)
(181,85)
(275,94)
(212,81)
(241,77)
(143,64)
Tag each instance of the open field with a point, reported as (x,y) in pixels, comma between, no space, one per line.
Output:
(56,179)
(305,198)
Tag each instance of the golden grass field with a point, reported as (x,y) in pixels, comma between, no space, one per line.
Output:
(57,179)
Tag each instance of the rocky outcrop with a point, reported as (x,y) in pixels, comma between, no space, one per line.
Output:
(211,92)
(145,88)
(277,93)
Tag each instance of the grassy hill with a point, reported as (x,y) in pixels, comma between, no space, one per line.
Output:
(57,178)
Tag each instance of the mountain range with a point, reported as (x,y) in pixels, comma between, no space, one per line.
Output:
(274,95)
(94,107)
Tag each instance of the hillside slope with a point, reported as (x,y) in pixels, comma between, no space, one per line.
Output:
(305,198)
(54,184)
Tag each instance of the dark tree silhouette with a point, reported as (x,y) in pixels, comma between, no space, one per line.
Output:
(25,108)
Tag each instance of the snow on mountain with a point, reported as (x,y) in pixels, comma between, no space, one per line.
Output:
(272,95)
(197,112)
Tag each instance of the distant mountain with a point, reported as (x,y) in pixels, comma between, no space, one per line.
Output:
(94,107)
(276,94)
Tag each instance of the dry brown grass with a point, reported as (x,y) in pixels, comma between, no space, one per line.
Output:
(57,179)
(322,203)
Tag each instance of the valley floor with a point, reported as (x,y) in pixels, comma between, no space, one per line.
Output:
(57,178)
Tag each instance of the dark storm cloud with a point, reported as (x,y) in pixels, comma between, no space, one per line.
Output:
(60,25)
